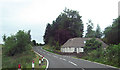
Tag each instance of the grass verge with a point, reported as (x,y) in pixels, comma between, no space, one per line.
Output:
(50,49)
(1,45)
(25,59)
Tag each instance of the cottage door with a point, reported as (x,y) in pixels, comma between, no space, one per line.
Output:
(75,50)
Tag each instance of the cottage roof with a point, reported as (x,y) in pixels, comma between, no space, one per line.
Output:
(79,42)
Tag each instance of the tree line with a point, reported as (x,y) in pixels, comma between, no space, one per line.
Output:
(68,25)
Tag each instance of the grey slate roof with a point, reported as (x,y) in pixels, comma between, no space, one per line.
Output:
(79,42)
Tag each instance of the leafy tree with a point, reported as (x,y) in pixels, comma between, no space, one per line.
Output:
(98,33)
(4,37)
(113,54)
(90,32)
(22,40)
(112,32)
(29,35)
(67,25)
(34,42)
(57,46)
(92,44)
(47,33)
(10,44)
(18,43)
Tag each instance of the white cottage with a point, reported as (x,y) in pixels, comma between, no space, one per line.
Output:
(76,45)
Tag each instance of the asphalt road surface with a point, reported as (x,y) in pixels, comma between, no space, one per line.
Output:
(63,62)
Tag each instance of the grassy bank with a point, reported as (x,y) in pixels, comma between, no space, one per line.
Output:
(100,60)
(25,59)
(50,49)
(0,45)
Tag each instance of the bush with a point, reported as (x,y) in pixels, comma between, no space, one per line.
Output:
(92,44)
(18,43)
(110,56)
(113,54)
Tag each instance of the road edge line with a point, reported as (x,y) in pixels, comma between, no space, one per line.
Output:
(44,58)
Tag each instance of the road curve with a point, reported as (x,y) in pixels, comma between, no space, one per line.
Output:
(62,62)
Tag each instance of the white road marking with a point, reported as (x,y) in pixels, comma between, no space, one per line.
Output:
(64,59)
(72,63)
(60,58)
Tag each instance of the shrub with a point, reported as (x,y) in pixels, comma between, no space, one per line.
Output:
(92,44)
(113,54)
(18,43)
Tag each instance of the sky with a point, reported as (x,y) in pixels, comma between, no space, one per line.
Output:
(34,15)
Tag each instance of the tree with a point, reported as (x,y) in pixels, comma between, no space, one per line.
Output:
(18,43)
(113,54)
(29,35)
(34,42)
(47,33)
(90,32)
(92,44)
(4,37)
(67,25)
(98,33)
(112,32)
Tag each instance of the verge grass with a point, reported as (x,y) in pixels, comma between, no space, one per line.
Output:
(25,59)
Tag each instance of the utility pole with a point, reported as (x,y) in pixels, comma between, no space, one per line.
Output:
(118,8)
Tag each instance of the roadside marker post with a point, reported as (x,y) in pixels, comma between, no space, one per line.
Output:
(19,67)
(42,59)
(39,62)
(33,65)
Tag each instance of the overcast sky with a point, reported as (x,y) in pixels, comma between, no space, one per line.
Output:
(35,14)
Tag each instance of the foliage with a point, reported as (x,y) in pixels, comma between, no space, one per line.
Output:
(24,59)
(92,44)
(112,32)
(90,32)
(113,54)
(67,25)
(18,43)
(98,33)
(4,37)
(34,42)
(57,46)
(110,55)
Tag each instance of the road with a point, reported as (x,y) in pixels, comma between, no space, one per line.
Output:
(63,62)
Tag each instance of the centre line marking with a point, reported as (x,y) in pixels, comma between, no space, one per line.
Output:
(64,59)
(72,63)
